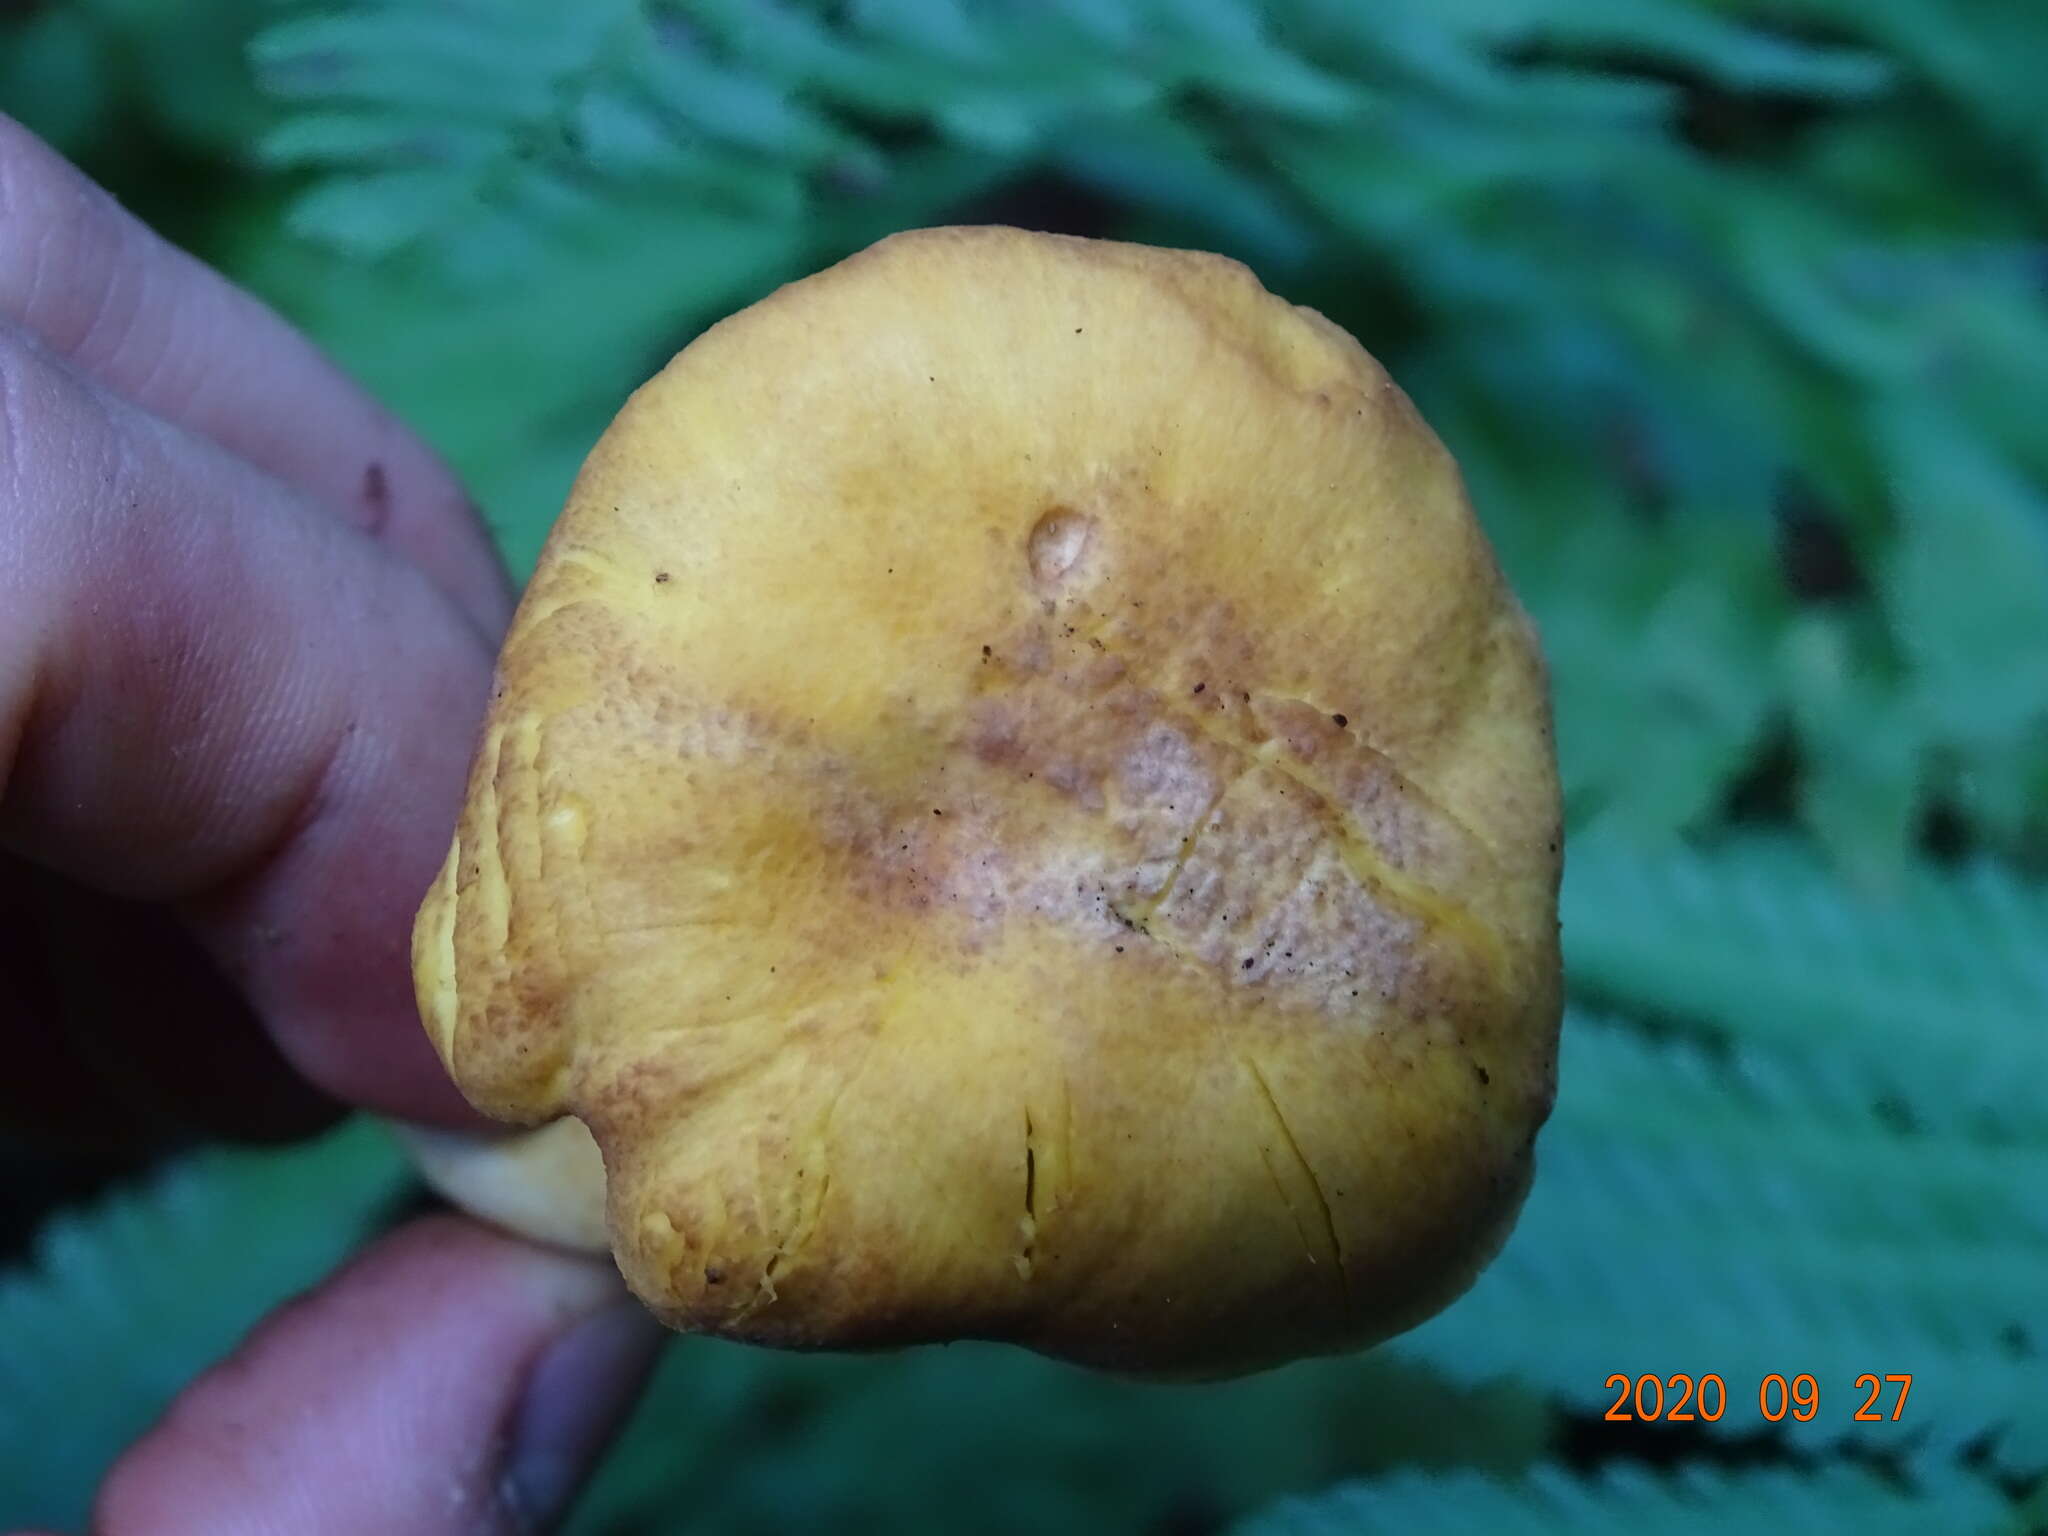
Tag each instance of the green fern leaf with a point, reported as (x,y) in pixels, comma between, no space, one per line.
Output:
(1865,759)
(1967,585)
(123,1303)
(732,100)
(1987,57)
(1934,993)
(1692,36)
(1693,332)
(1625,1499)
(313,140)
(1736,1215)
(758,1440)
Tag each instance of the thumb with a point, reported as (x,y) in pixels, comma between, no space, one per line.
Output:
(449,1380)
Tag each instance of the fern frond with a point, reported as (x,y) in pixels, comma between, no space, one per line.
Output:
(475,111)
(123,1303)
(1984,56)
(747,1439)
(1934,994)
(1552,1500)
(1520,174)
(1967,584)
(1696,1213)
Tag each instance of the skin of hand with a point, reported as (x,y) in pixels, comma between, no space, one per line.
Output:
(247,623)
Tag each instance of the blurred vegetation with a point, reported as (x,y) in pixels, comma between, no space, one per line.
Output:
(1736,315)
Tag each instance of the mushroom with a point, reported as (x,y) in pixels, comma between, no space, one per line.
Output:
(1017,805)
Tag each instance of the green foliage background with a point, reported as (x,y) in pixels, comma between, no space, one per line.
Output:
(1736,315)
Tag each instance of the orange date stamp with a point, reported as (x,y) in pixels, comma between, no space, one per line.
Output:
(1683,1399)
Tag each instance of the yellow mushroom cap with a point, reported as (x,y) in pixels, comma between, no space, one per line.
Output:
(1019,805)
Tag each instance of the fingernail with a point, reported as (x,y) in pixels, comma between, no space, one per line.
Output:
(576,1398)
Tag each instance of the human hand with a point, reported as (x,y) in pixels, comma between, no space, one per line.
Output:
(247,623)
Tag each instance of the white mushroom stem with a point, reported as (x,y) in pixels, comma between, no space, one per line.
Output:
(546,1183)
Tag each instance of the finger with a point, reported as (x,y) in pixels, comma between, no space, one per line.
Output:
(213,695)
(78,969)
(449,1381)
(151,323)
